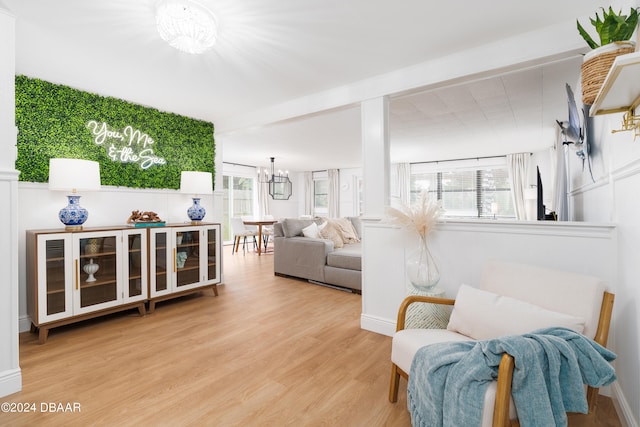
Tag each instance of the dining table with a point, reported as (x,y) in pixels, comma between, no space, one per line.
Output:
(259,223)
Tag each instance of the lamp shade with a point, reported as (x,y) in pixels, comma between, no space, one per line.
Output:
(74,174)
(192,182)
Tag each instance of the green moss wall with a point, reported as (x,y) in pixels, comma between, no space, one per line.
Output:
(136,146)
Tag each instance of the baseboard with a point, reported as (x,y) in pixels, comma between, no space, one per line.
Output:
(10,382)
(622,407)
(377,324)
(24,324)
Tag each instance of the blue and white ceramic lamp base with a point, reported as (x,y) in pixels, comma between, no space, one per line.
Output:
(196,212)
(73,215)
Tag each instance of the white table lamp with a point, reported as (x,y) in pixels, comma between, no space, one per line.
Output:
(196,183)
(72,175)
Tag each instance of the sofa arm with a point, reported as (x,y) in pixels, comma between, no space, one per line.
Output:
(301,257)
(402,311)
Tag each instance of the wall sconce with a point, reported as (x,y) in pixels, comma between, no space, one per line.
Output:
(196,183)
(73,175)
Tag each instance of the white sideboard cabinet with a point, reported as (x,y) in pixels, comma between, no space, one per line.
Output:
(77,275)
(72,276)
(183,259)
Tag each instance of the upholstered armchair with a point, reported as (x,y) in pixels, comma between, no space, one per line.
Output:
(511,299)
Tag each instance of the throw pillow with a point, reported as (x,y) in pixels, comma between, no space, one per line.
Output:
(483,315)
(293,227)
(345,227)
(311,231)
(330,232)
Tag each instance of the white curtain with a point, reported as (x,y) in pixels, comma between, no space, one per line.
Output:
(518,165)
(308,193)
(399,184)
(334,193)
(560,200)
(404,182)
(263,199)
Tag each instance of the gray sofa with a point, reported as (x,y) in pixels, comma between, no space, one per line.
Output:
(316,259)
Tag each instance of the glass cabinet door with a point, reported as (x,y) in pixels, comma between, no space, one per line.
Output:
(55,299)
(187,257)
(161,262)
(97,271)
(213,262)
(135,267)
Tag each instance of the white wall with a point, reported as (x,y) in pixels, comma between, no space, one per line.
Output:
(462,247)
(614,197)
(349,191)
(10,373)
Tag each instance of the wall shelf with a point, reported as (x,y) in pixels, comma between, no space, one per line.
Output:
(620,91)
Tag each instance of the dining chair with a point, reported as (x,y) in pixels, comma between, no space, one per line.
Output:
(241,231)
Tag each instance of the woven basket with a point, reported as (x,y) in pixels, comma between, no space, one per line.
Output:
(596,67)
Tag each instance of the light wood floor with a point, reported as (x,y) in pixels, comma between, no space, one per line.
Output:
(268,351)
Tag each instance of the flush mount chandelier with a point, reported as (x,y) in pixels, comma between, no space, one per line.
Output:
(186,25)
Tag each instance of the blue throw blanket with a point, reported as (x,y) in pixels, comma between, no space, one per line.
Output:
(447,381)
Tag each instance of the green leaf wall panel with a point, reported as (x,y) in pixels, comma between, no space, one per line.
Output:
(53,121)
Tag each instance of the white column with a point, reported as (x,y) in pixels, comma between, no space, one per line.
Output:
(375,155)
(10,374)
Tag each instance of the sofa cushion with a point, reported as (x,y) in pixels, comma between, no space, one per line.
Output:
(331,232)
(357,225)
(349,257)
(484,315)
(346,230)
(293,227)
(548,288)
(407,342)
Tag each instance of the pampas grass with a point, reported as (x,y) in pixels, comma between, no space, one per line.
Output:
(422,217)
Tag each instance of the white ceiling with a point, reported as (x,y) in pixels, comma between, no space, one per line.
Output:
(273,52)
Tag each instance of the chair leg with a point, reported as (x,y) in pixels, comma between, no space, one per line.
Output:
(236,244)
(394,384)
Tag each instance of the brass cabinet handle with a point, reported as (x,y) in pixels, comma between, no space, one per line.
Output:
(77,272)
(175,261)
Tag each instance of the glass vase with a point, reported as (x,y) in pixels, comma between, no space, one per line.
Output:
(422,269)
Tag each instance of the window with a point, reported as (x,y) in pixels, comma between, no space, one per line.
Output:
(238,200)
(482,192)
(320,197)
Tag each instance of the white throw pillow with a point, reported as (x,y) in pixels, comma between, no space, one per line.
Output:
(484,315)
(311,231)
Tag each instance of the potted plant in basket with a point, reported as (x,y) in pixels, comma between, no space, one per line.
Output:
(615,31)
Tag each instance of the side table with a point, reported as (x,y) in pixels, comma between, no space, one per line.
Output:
(423,315)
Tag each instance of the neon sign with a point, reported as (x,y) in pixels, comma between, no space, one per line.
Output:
(128,145)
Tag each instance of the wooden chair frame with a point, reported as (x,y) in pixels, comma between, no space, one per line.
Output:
(505,370)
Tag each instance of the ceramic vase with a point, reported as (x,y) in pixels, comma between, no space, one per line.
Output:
(91,268)
(92,247)
(196,212)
